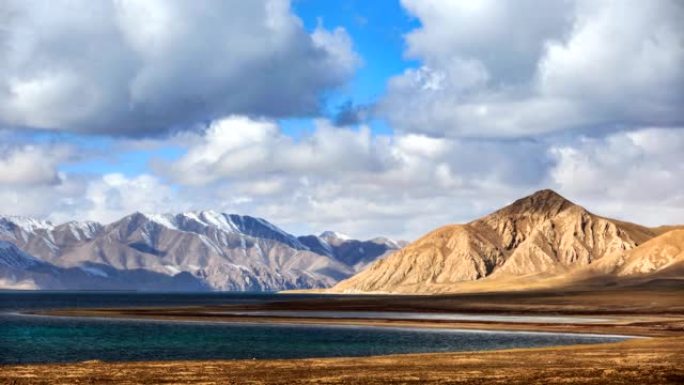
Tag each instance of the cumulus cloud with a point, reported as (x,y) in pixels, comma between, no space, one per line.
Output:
(367,184)
(31,165)
(503,39)
(636,175)
(111,196)
(60,201)
(103,198)
(240,147)
(350,179)
(130,67)
(493,69)
(406,184)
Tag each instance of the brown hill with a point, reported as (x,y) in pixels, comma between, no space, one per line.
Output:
(540,240)
(659,254)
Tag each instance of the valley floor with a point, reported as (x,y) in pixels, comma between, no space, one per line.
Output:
(657,312)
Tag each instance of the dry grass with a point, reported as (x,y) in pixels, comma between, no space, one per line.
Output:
(652,361)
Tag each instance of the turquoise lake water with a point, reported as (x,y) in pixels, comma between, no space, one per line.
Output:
(32,339)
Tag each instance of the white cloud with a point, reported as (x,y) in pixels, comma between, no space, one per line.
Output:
(31,164)
(624,62)
(243,148)
(61,201)
(349,179)
(103,198)
(365,185)
(638,176)
(112,196)
(503,38)
(508,69)
(131,67)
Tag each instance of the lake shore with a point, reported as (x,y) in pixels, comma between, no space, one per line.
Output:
(655,313)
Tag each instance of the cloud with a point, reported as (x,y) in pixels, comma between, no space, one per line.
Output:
(365,184)
(31,165)
(636,175)
(112,196)
(350,179)
(406,184)
(138,68)
(350,114)
(103,198)
(244,148)
(61,201)
(624,63)
(512,69)
(504,39)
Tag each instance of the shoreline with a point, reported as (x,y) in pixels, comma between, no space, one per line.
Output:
(597,330)
(657,315)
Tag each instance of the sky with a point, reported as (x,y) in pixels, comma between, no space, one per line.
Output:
(369,118)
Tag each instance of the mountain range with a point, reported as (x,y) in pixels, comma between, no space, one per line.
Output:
(540,241)
(177,252)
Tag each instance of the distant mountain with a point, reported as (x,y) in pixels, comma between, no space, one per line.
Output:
(348,251)
(539,238)
(189,251)
(21,271)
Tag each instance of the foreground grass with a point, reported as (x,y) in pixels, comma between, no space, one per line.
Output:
(647,361)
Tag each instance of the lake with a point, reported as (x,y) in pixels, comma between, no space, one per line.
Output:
(38,339)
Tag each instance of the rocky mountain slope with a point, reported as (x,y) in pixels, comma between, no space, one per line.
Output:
(21,271)
(540,237)
(198,250)
(661,254)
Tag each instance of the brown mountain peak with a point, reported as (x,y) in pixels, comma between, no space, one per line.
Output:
(546,202)
(545,197)
(546,194)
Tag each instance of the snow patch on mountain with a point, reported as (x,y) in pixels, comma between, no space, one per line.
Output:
(94,271)
(328,234)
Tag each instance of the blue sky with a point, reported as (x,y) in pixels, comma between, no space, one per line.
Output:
(377,29)
(366,117)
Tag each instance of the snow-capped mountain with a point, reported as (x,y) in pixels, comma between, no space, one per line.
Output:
(210,250)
